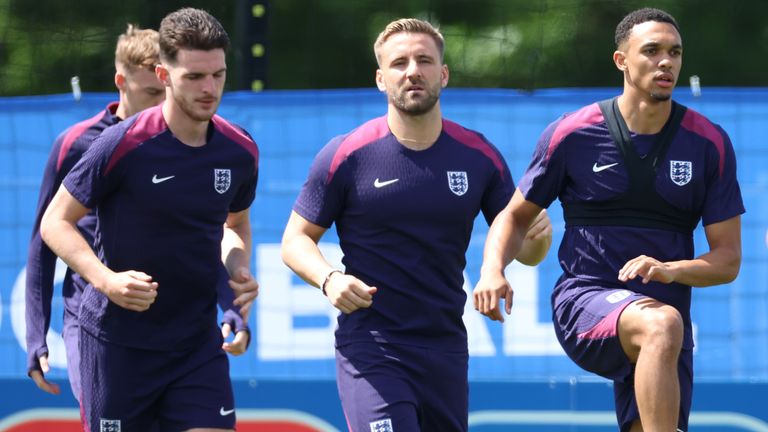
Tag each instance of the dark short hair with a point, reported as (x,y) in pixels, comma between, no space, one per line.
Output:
(638,17)
(190,28)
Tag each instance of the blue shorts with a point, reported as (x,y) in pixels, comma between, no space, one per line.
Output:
(587,328)
(128,389)
(389,387)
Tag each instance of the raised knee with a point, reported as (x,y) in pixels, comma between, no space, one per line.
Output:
(664,328)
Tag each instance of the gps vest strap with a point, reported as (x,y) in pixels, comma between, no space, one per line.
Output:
(641,205)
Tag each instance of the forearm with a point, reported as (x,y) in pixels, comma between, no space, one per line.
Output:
(65,240)
(716,267)
(302,255)
(537,240)
(41,263)
(236,246)
(504,242)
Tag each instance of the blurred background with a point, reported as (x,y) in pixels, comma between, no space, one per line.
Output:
(301,72)
(321,44)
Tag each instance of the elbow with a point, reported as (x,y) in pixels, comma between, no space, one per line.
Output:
(285,251)
(534,252)
(732,269)
(46,229)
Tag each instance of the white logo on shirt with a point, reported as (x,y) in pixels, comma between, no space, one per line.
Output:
(597,168)
(458,182)
(109,425)
(380,184)
(222,178)
(224,412)
(156,179)
(382,426)
(680,172)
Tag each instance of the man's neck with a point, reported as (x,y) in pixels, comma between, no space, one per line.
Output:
(415,132)
(644,116)
(187,130)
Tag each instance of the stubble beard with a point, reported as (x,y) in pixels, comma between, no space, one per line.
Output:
(415,107)
(661,97)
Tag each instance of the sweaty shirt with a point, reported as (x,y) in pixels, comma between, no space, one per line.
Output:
(161,206)
(576,160)
(404,220)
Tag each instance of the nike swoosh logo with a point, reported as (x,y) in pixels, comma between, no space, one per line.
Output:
(597,169)
(156,179)
(380,184)
(224,412)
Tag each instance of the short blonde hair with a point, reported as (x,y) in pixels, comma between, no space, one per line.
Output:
(138,48)
(408,25)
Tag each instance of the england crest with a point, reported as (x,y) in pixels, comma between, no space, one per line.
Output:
(382,426)
(458,182)
(680,172)
(109,425)
(222,178)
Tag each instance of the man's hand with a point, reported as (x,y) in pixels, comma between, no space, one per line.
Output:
(246,290)
(650,269)
(488,292)
(38,376)
(540,228)
(348,293)
(239,344)
(132,290)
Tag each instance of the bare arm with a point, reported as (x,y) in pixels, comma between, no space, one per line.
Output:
(504,242)
(236,246)
(537,240)
(718,266)
(300,252)
(131,289)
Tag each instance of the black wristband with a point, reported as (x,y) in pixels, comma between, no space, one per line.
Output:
(327,278)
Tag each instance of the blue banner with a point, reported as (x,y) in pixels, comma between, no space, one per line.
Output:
(293,323)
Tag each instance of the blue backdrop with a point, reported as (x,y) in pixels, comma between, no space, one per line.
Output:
(293,323)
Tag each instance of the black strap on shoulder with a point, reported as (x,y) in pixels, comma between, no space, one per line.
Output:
(623,139)
(640,205)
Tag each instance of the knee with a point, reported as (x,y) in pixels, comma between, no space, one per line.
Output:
(664,329)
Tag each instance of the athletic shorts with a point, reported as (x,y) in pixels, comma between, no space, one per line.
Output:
(128,389)
(399,388)
(587,328)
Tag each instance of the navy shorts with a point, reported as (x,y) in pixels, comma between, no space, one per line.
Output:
(389,387)
(587,328)
(128,389)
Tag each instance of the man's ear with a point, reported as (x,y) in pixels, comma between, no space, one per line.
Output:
(444,75)
(380,81)
(620,60)
(162,74)
(120,81)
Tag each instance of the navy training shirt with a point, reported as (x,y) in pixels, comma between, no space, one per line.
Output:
(404,220)
(576,160)
(161,207)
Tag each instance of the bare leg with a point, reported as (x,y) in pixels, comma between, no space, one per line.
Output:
(651,335)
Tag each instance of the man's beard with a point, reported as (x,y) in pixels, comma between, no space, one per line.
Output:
(661,97)
(416,107)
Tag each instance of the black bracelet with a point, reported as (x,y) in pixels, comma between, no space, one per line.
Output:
(327,278)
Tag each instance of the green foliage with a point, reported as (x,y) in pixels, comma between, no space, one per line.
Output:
(328,43)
